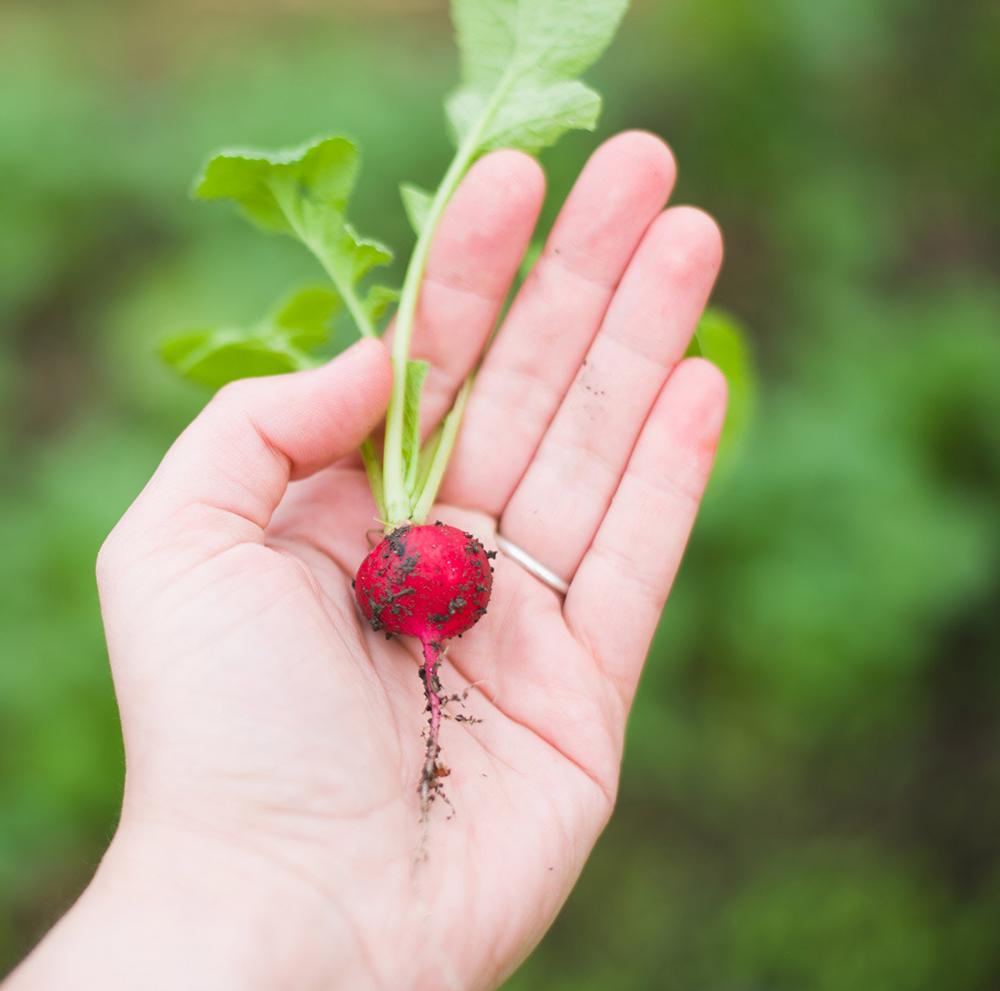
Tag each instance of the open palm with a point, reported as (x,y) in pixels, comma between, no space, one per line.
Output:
(265,723)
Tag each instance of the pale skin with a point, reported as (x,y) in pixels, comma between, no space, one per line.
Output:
(271,820)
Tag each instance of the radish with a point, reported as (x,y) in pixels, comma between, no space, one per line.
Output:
(432,583)
(521,62)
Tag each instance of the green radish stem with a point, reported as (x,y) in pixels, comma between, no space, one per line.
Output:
(406,493)
(411,493)
(350,297)
(361,319)
(397,501)
(369,456)
(399,505)
(366,328)
(438,458)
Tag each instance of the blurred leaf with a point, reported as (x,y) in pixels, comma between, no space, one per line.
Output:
(520,63)
(281,343)
(722,340)
(307,316)
(216,357)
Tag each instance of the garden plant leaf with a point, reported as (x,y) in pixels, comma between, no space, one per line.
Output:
(417,204)
(307,316)
(285,341)
(303,192)
(520,63)
(378,301)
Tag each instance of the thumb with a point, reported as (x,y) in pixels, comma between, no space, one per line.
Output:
(237,457)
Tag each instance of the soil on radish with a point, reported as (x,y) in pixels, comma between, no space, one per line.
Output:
(432,583)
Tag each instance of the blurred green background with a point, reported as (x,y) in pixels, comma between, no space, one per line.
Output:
(811,796)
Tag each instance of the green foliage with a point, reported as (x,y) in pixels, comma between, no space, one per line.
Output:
(283,342)
(720,338)
(378,301)
(519,63)
(304,192)
(417,204)
(872,922)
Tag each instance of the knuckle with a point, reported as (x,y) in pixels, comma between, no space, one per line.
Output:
(232,396)
(230,406)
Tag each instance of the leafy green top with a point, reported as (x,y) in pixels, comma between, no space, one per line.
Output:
(521,61)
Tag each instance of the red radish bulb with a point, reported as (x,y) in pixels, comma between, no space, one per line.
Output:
(432,583)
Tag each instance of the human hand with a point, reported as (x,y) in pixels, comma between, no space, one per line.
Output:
(271,819)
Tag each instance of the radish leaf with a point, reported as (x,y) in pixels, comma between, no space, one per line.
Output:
(303,192)
(378,302)
(282,342)
(216,356)
(417,204)
(520,63)
(307,316)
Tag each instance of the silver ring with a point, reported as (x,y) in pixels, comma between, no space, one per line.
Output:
(533,567)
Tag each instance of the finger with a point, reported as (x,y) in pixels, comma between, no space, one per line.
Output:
(552,322)
(618,593)
(236,459)
(559,504)
(475,256)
